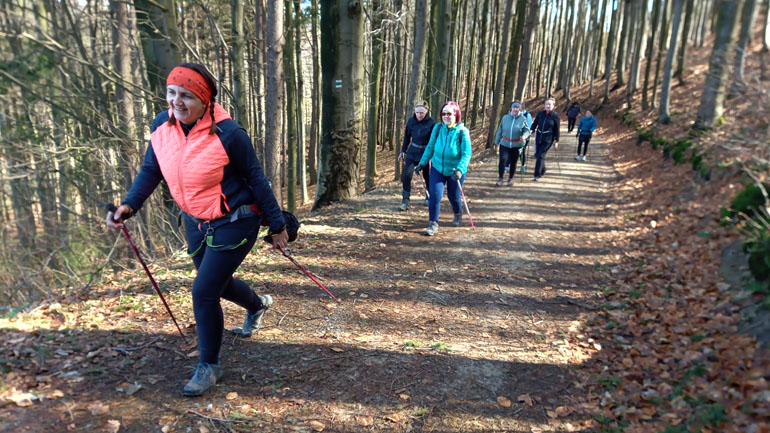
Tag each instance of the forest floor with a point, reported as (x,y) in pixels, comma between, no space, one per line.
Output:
(474,329)
(601,299)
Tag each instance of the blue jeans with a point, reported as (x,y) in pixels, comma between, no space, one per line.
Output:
(437,181)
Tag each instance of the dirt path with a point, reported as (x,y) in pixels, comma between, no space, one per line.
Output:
(471,330)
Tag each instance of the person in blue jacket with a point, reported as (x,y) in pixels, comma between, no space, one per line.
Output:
(416,137)
(449,153)
(586,128)
(212,171)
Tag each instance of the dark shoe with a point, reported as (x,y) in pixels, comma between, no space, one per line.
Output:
(206,375)
(432,229)
(535,179)
(509,183)
(404,204)
(253,321)
(457,219)
(499,182)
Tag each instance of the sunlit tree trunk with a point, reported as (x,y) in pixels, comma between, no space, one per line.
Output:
(315,110)
(342,52)
(665,91)
(713,96)
(746,27)
(374,94)
(274,96)
(499,82)
(764,70)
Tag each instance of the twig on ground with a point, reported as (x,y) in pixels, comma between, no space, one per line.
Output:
(125,350)
(439,298)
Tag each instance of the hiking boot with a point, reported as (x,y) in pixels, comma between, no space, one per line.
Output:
(432,229)
(404,204)
(457,219)
(499,182)
(206,375)
(253,320)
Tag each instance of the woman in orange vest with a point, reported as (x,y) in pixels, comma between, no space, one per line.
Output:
(212,171)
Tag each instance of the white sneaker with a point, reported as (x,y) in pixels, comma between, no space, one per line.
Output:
(577,158)
(584,157)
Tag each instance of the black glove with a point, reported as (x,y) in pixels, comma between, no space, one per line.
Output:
(417,168)
(457,174)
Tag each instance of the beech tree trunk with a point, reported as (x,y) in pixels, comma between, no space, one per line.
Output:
(274,96)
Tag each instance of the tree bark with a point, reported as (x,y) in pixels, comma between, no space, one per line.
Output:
(611,49)
(620,65)
(418,58)
(474,107)
(513,56)
(291,109)
(238,61)
(650,51)
(526,50)
(682,58)
(374,94)
(315,110)
(301,143)
(746,27)
(713,96)
(665,112)
(274,96)
(342,50)
(764,70)
(442,33)
(499,82)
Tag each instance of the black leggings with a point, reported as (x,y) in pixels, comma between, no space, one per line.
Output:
(508,154)
(216,266)
(583,139)
(408,172)
(571,123)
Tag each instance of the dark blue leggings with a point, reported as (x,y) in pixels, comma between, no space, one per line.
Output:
(216,266)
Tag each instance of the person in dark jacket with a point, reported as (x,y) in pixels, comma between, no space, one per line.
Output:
(416,137)
(572,113)
(209,164)
(586,128)
(546,130)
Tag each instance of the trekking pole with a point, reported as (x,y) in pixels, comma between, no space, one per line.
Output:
(306,272)
(111,207)
(467,209)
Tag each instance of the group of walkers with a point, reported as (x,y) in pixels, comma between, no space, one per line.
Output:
(444,150)
(212,172)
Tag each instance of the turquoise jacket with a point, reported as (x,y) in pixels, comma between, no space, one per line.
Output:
(513,130)
(587,125)
(449,149)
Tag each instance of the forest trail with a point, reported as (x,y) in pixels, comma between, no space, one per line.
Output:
(470,330)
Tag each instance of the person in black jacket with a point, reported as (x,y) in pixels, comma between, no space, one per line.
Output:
(546,128)
(416,137)
(572,113)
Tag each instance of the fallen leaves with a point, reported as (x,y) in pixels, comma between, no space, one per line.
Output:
(526,399)
(98,408)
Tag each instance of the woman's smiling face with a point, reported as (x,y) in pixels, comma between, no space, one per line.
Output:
(186,106)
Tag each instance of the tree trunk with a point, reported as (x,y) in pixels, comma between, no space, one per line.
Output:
(764,70)
(160,43)
(342,51)
(474,108)
(575,51)
(650,50)
(238,59)
(713,96)
(123,94)
(507,17)
(509,88)
(682,58)
(274,96)
(374,94)
(315,114)
(747,25)
(620,65)
(611,42)
(418,59)
(665,19)
(291,109)
(665,113)
(301,143)
(471,60)
(641,34)
(526,50)
(440,55)
(399,103)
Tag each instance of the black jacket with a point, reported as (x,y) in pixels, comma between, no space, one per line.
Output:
(546,126)
(417,133)
(573,111)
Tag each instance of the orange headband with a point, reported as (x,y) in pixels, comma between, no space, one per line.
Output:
(190,80)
